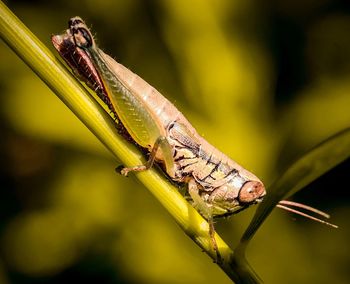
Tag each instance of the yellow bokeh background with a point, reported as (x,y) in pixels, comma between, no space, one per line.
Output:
(263,82)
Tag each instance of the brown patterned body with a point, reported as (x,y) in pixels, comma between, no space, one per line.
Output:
(216,183)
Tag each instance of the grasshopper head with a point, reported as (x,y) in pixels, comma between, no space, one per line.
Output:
(82,35)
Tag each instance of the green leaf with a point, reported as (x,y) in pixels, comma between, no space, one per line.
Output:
(309,167)
(72,93)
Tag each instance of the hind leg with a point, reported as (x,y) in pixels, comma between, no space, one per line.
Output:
(206,212)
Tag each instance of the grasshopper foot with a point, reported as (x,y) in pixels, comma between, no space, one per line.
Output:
(125,171)
(121,170)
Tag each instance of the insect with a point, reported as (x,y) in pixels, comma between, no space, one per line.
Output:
(216,184)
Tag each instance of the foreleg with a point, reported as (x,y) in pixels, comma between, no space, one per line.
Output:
(161,145)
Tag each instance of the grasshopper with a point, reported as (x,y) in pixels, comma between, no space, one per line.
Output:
(217,185)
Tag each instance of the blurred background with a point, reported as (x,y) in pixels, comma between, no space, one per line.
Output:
(264,81)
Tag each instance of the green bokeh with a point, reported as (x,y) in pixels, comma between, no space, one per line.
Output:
(262,83)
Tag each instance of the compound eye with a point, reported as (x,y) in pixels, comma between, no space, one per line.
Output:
(82,37)
(85,38)
(75,21)
(251,191)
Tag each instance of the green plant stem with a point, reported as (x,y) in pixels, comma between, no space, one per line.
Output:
(309,167)
(71,92)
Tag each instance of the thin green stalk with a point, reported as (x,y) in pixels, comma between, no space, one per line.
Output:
(70,91)
(308,168)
